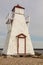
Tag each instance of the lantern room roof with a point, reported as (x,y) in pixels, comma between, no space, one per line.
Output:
(17,6)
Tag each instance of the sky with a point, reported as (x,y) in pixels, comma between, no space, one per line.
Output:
(34,9)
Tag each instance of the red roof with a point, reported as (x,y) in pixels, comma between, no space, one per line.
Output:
(17,6)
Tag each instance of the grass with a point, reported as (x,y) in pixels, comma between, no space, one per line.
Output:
(37,59)
(29,60)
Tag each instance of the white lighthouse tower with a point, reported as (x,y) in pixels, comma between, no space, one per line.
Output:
(18,40)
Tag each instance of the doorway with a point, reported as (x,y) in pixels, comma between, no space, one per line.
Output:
(21,44)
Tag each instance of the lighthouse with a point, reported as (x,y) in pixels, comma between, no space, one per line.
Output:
(18,40)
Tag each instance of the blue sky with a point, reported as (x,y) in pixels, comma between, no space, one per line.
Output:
(34,9)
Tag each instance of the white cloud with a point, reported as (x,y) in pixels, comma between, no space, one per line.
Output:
(33,8)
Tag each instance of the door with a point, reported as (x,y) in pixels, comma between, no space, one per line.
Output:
(21,46)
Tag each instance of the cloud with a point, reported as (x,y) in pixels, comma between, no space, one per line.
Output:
(37,44)
(33,8)
(37,38)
